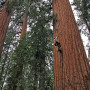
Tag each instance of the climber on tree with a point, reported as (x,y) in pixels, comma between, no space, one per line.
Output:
(56,43)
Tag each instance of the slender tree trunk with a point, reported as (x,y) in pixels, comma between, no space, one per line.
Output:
(35,80)
(71,68)
(19,64)
(4,21)
(17,76)
(42,74)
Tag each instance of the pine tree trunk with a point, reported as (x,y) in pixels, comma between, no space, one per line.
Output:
(71,69)
(4,21)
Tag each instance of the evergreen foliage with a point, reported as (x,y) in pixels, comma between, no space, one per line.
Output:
(29,65)
(2,2)
(83,7)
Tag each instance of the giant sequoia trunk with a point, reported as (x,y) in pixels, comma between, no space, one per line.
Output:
(19,64)
(4,21)
(71,69)
(24,27)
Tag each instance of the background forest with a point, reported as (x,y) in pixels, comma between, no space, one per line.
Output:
(27,59)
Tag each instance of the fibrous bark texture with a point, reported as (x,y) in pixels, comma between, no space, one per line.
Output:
(71,68)
(24,27)
(4,21)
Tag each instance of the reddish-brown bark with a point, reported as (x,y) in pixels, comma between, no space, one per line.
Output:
(24,27)
(71,68)
(4,21)
(19,65)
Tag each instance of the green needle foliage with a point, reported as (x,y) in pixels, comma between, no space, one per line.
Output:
(83,6)
(31,63)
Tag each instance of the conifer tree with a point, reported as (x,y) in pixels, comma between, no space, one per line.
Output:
(29,65)
(71,68)
(6,56)
(24,27)
(19,62)
(4,21)
(83,7)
